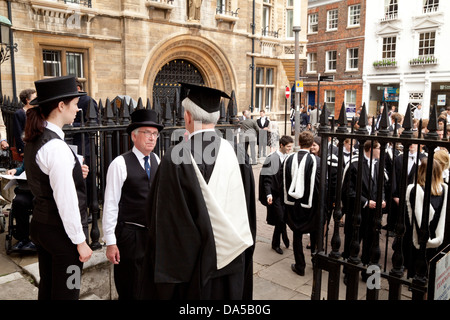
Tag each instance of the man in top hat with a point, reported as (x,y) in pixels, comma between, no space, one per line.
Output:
(128,182)
(201,212)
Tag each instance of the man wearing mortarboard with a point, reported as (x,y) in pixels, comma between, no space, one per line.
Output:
(201,212)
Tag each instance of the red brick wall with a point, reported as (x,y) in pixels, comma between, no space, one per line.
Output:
(340,40)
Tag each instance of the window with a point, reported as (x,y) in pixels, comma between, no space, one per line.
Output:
(329,100)
(74,64)
(390,9)
(350,102)
(289,18)
(331,61)
(63,62)
(221,6)
(265,87)
(52,63)
(332,19)
(352,58)
(430,6)
(266,18)
(313,23)
(312,62)
(389,47)
(427,43)
(354,15)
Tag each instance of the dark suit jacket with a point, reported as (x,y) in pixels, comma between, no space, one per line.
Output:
(265,125)
(397,174)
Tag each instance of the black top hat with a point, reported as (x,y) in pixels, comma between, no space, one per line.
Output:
(144,118)
(206,98)
(58,88)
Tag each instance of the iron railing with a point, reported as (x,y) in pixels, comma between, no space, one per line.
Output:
(333,262)
(106,131)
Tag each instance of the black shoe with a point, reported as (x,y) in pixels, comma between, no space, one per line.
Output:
(19,245)
(278,250)
(30,246)
(286,241)
(299,272)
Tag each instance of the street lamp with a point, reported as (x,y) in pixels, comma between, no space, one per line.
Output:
(296,28)
(5,26)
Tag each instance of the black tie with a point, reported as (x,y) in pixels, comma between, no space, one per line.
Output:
(147,166)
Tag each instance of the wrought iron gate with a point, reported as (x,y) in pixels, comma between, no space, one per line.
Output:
(166,81)
(333,262)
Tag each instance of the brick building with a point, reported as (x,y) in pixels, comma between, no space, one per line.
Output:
(335,49)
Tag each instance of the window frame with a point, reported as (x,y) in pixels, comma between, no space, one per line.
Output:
(430,6)
(63,51)
(328,60)
(265,17)
(351,58)
(391,9)
(264,91)
(332,22)
(330,95)
(352,17)
(312,23)
(429,47)
(311,62)
(386,48)
(289,19)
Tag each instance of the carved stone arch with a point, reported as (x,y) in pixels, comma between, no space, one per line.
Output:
(206,56)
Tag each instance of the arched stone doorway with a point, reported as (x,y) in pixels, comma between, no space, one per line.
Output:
(204,56)
(170,74)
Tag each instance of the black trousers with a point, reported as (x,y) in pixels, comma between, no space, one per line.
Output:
(297,246)
(59,265)
(21,208)
(278,232)
(131,241)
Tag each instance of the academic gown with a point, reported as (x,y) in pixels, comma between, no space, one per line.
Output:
(181,255)
(271,182)
(300,217)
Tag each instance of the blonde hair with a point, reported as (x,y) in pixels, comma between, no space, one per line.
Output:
(443,158)
(436,177)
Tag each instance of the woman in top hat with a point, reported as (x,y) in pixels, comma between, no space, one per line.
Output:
(54,174)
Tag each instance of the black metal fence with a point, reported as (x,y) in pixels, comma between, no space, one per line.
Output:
(105,129)
(333,262)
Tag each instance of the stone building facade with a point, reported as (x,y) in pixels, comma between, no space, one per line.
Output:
(143,48)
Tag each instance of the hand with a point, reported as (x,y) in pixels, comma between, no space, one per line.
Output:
(397,200)
(113,254)
(4,144)
(85,170)
(269,200)
(84,251)
(11,172)
(372,204)
(383,204)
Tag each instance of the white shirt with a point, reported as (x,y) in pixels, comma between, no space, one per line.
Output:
(55,159)
(115,178)
(418,114)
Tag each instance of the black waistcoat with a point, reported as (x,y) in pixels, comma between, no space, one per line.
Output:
(135,189)
(45,208)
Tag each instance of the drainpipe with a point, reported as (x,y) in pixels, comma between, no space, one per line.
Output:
(11,52)
(252,66)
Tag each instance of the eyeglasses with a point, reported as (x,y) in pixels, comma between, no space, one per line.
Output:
(149,134)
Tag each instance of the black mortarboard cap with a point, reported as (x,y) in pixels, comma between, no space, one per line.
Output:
(206,98)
